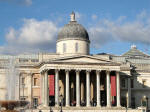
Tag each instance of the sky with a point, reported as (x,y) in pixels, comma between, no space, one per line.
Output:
(31,26)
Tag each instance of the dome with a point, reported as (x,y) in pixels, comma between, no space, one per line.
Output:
(73,30)
(73,39)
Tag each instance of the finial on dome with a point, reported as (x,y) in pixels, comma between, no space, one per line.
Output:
(133,46)
(72,16)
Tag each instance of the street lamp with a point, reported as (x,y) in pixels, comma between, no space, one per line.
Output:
(126,108)
(50,106)
(23,85)
(40,110)
(61,102)
(147,103)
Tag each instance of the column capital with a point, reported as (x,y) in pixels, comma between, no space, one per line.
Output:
(43,71)
(107,71)
(98,71)
(57,70)
(77,71)
(67,70)
(117,72)
(88,71)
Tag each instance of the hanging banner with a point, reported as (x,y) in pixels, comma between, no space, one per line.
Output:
(113,85)
(51,85)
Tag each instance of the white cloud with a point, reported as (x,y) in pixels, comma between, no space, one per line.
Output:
(94,16)
(136,31)
(78,16)
(37,36)
(28,2)
(33,36)
(22,2)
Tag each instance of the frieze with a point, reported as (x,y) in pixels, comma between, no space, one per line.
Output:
(79,67)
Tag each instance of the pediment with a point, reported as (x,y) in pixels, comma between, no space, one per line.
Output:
(83,59)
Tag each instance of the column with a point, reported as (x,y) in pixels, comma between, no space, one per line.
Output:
(129,93)
(56,87)
(29,82)
(118,89)
(87,88)
(46,88)
(108,88)
(82,91)
(98,88)
(78,88)
(67,89)
(43,90)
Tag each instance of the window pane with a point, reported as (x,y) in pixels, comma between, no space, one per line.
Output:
(35,81)
(132,83)
(76,47)
(123,83)
(23,81)
(64,47)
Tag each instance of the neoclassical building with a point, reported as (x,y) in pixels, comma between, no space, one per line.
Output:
(75,76)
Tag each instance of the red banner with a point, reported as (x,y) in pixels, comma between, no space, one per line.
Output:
(113,85)
(51,85)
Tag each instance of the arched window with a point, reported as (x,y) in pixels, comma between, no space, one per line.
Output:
(76,47)
(64,47)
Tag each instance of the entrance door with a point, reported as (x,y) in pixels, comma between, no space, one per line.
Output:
(103,98)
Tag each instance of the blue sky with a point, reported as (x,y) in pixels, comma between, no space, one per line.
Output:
(31,26)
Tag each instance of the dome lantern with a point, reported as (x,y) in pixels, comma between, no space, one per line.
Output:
(72,16)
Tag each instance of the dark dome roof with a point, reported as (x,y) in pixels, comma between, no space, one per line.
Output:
(73,30)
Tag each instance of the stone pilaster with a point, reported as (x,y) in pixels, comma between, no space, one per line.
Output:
(98,88)
(118,89)
(78,88)
(67,89)
(87,88)
(56,87)
(108,88)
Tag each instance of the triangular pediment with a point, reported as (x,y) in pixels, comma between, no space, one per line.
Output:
(83,59)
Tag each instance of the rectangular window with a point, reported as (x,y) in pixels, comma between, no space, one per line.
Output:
(35,82)
(23,60)
(123,83)
(76,47)
(132,83)
(35,102)
(64,47)
(133,102)
(23,81)
(144,83)
(34,60)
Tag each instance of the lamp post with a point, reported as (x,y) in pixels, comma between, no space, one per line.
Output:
(126,108)
(61,102)
(147,104)
(50,106)
(40,110)
(23,85)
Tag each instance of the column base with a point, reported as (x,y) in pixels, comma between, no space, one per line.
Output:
(118,106)
(77,105)
(67,106)
(88,105)
(56,105)
(98,106)
(109,106)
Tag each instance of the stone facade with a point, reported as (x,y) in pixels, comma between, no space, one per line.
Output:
(81,80)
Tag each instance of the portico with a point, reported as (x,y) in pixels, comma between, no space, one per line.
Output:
(81,84)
